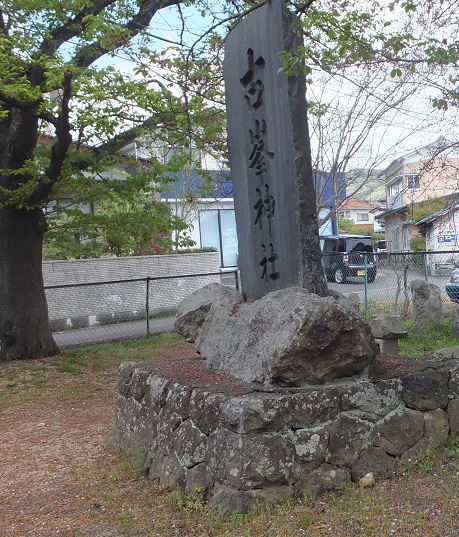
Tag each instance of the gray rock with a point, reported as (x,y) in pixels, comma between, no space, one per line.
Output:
(310,446)
(321,480)
(257,413)
(453,417)
(426,390)
(374,460)
(199,481)
(225,500)
(205,410)
(436,427)
(417,452)
(427,304)
(355,299)
(448,353)
(164,466)
(371,401)
(194,310)
(134,428)
(315,406)
(455,322)
(349,437)
(289,337)
(453,384)
(189,444)
(251,460)
(399,431)
(387,327)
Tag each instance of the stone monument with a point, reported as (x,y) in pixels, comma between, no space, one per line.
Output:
(289,399)
(270,160)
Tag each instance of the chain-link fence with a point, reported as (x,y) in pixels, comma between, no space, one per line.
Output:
(118,309)
(85,313)
(382,281)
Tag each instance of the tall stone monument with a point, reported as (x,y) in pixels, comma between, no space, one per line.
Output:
(270,158)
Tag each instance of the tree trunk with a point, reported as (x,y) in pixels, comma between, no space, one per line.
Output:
(24,323)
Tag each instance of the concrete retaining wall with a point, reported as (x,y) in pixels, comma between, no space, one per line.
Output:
(88,305)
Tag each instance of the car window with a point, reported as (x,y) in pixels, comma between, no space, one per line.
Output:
(362,247)
(356,244)
(329,246)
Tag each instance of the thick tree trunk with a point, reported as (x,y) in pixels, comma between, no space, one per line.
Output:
(24,324)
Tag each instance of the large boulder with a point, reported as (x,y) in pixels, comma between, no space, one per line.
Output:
(197,307)
(289,338)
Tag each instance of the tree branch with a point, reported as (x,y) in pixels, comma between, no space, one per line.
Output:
(28,106)
(88,54)
(115,144)
(3,27)
(72,27)
(302,8)
(59,150)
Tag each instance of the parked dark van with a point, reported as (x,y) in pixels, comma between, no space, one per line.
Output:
(345,256)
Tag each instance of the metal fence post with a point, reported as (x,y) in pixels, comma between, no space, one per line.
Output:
(424,263)
(236,279)
(365,261)
(147,305)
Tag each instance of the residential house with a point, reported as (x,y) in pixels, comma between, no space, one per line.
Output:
(208,211)
(211,215)
(212,219)
(441,230)
(429,172)
(362,213)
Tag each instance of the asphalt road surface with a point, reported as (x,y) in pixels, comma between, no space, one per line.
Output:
(386,285)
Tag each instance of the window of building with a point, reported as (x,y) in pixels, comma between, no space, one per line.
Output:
(413,181)
(363,217)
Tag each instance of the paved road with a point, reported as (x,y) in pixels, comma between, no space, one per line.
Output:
(385,286)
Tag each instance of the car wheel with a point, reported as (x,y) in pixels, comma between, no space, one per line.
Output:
(339,276)
(371,277)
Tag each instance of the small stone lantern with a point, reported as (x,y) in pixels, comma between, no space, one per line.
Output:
(387,330)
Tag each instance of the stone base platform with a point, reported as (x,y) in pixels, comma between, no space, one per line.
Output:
(244,446)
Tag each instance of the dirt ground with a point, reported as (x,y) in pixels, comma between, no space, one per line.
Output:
(59,478)
(44,451)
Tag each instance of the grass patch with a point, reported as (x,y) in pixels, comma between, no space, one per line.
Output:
(80,370)
(422,344)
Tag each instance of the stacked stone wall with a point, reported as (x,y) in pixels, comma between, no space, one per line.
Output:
(246,447)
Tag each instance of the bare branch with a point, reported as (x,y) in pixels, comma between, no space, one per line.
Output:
(116,143)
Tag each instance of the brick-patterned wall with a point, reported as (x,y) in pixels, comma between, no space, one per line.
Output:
(112,301)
